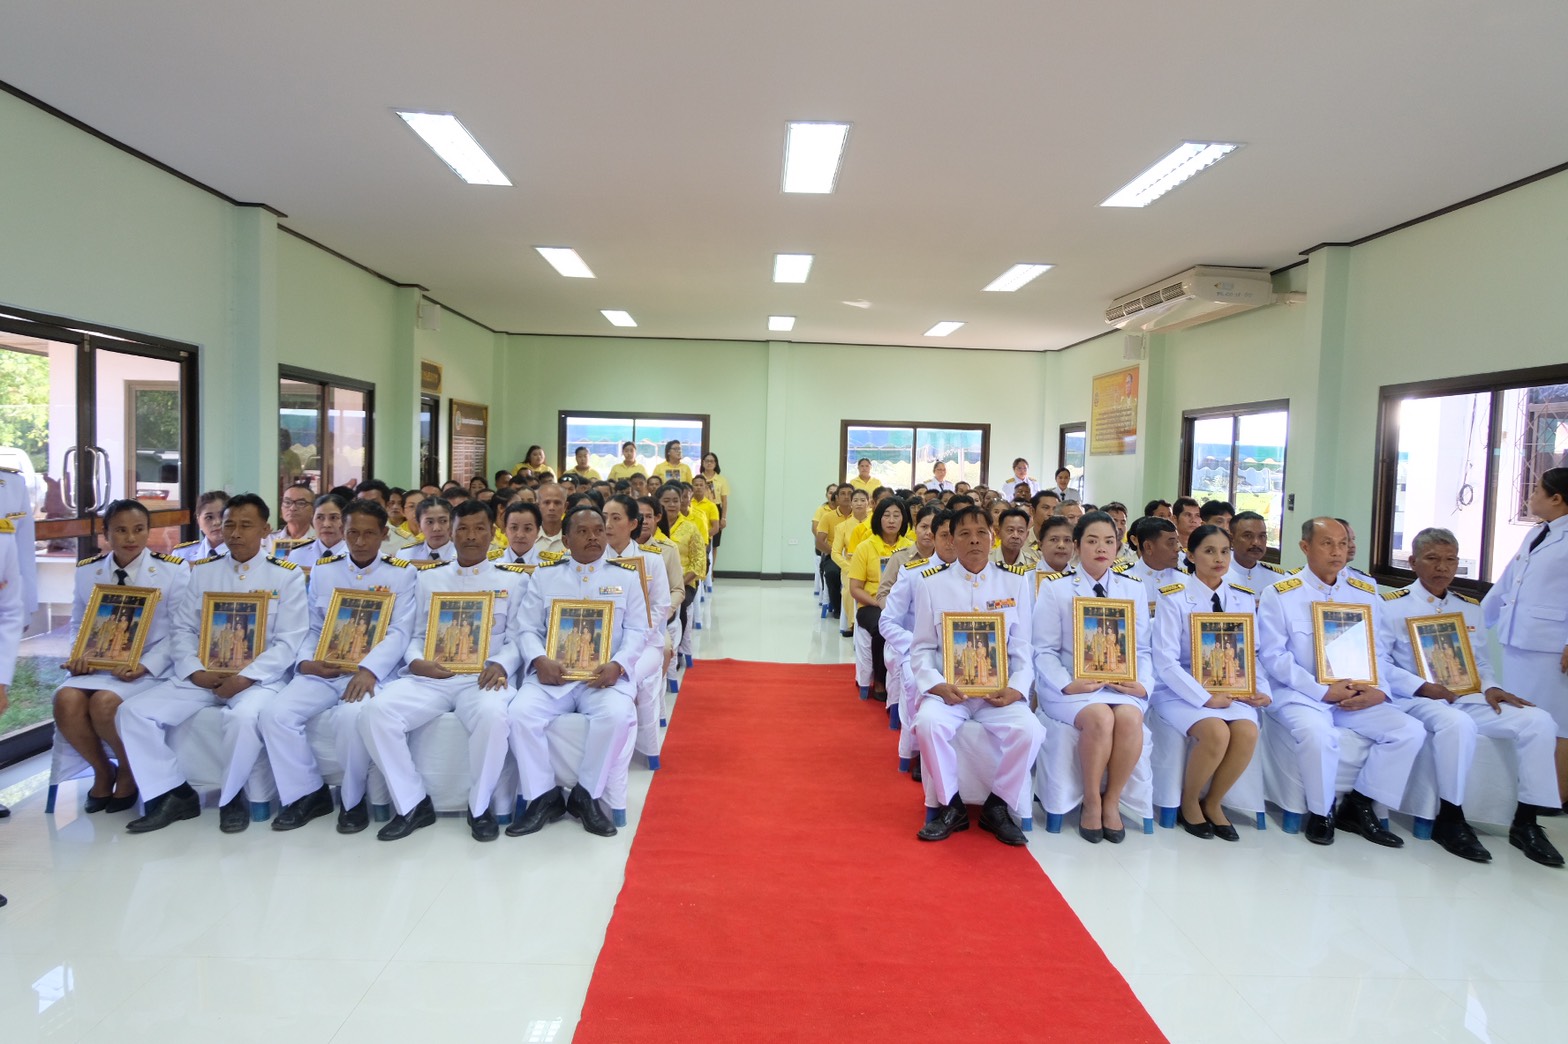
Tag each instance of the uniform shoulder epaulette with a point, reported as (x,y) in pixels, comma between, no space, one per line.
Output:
(188,543)
(1467,598)
(1244,590)
(324,559)
(1389,596)
(551,557)
(1293,572)
(496,553)
(916,563)
(86,561)
(285,563)
(10,471)
(545,563)
(515,567)
(204,561)
(418,543)
(625,564)
(1017,569)
(1361,585)
(171,559)
(936,569)
(1169,589)
(1274,568)
(1053,576)
(422,566)
(652,547)
(401,563)
(1289,584)
(1121,567)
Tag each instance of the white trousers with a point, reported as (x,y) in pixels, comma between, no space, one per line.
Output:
(650,698)
(1539,678)
(611,714)
(1396,740)
(144,721)
(1534,737)
(1013,730)
(409,702)
(901,687)
(862,656)
(283,721)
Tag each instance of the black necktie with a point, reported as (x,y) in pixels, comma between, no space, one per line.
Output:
(1537,541)
(1099,590)
(1218,608)
(431,555)
(119,577)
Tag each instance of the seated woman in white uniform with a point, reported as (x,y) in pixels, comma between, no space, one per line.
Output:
(85,705)
(1108,715)
(1225,727)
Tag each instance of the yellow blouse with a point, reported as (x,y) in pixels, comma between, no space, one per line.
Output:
(870,557)
(664,471)
(626,471)
(694,550)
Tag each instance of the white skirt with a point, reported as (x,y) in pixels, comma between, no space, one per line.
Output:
(1182,716)
(1067,708)
(103,681)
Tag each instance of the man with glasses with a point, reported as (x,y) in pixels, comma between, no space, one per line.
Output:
(299,501)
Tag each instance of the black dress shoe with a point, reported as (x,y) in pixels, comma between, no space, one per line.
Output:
(422,815)
(846,634)
(1202,829)
(4,812)
(1115,837)
(1357,816)
(1531,840)
(122,804)
(587,809)
(546,808)
(1225,832)
(996,819)
(879,695)
(165,809)
(353,820)
(234,818)
(1319,829)
(1092,835)
(914,768)
(950,819)
(94,803)
(296,814)
(484,828)
(1458,838)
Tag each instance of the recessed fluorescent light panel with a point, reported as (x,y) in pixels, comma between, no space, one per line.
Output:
(565,261)
(1187,159)
(791,268)
(457,148)
(812,154)
(1016,277)
(943,329)
(618,317)
(781,323)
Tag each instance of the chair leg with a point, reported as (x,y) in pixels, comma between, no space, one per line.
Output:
(653,762)
(1028,824)
(1166,816)
(618,816)
(1291,823)
(381,813)
(260,811)
(1053,823)
(49,801)
(903,764)
(892,717)
(1263,821)
(1148,824)
(1422,829)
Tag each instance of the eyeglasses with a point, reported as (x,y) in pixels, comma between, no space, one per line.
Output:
(295,503)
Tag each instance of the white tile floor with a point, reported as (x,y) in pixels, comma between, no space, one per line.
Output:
(309,937)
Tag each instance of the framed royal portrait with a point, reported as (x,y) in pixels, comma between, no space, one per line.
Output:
(233,629)
(1105,640)
(114,627)
(974,652)
(356,621)
(1342,638)
(642,575)
(579,636)
(1224,653)
(1443,653)
(457,635)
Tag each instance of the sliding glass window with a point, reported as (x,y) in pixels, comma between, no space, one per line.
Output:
(324,429)
(603,433)
(902,453)
(1237,454)
(1071,454)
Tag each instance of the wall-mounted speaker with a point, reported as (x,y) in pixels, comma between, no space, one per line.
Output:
(429,316)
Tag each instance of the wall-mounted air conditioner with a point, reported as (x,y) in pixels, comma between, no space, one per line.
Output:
(1197,295)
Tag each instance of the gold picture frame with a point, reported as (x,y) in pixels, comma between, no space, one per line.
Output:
(1443,654)
(579,636)
(974,652)
(356,622)
(233,629)
(1224,653)
(457,634)
(1343,642)
(642,574)
(114,626)
(1105,639)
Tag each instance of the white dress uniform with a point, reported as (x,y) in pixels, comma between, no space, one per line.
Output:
(897,623)
(1151,579)
(1260,576)
(420,552)
(611,712)
(1176,696)
(1286,650)
(196,550)
(283,719)
(307,555)
(13,615)
(279,543)
(16,507)
(1053,642)
(1454,726)
(940,485)
(1529,608)
(649,676)
(171,576)
(144,719)
(411,701)
(1014,730)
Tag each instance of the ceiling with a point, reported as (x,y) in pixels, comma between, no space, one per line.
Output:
(650,138)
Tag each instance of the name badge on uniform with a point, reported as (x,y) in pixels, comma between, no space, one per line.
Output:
(500,594)
(1001,603)
(610,591)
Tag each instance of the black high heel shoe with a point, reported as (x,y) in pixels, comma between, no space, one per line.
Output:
(119,804)
(96,804)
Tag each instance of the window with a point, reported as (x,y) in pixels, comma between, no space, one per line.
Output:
(1237,454)
(1071,454)
(902,453)
(1463,455)
(324,429)
(603,434)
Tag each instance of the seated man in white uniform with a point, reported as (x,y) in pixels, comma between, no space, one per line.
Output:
(1310,710)
(320,686)
(328,541)
(933,539)
(145,718)
(974,584)
(622,523)
(1159,552)
(297,531)
(435,526)
(1455,721)
(606,696)
(427,690)
(1249,534)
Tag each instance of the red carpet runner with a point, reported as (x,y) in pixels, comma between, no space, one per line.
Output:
(776,892)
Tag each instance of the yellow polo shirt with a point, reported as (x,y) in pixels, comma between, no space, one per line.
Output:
(720,486)
(869,558)
(586,473)
(866,484)
(626,471)
(664,471)
(706,508)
